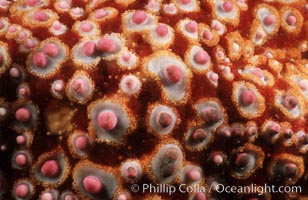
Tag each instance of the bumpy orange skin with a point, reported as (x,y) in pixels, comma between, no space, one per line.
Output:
(265,52)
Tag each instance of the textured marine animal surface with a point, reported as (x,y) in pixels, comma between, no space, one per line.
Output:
(97,95)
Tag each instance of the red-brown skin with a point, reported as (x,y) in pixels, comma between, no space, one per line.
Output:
(106,78)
